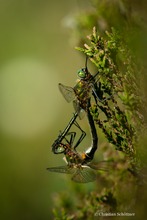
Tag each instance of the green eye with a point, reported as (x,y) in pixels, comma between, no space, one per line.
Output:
(60,149)
(81,73)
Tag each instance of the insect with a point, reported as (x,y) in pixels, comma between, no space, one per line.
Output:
(80,164)
(86,85)
(79,95)
(82,171)
(56,146)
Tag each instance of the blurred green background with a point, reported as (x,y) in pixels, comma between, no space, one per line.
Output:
(35,55)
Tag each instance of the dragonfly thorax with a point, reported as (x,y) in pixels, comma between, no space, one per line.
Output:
(72,157)
(83,90)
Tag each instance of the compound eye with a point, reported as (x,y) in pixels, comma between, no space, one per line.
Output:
(82,73)
(59,149)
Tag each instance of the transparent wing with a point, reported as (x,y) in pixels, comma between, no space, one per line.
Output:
(84,175)
(78,109)
(61,169)
(67,92)
(102,165)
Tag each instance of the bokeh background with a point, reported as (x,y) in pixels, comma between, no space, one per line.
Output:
(36,54)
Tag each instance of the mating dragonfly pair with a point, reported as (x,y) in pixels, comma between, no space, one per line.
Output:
(79,165)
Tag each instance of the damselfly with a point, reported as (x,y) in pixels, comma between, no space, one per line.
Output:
(57,146)
(82,171)
(79,94)
(79,164)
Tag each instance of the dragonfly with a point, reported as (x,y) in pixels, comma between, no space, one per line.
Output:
(58,143)
(82,171)
(79,165)
(82,91)
(86,85)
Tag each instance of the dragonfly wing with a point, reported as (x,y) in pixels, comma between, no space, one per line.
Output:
(78,109)
(102,165)
(67,92)
(61,169)
(84,175)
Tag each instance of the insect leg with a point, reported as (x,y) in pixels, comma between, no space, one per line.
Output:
(72,137)
(81,137)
